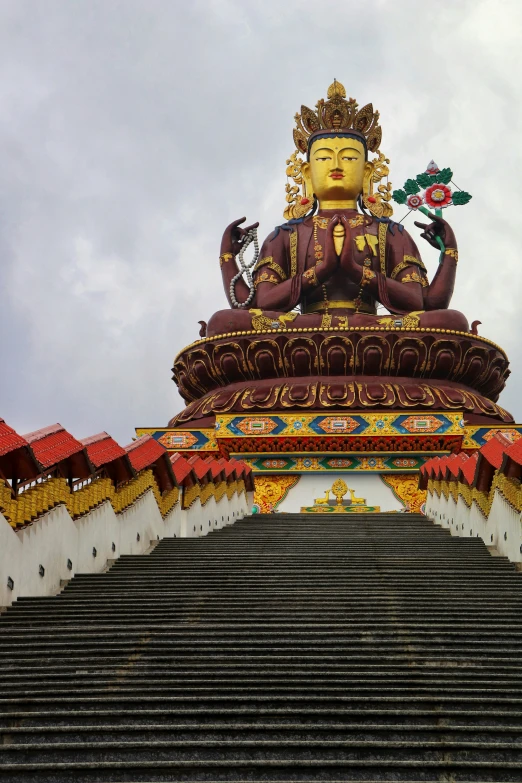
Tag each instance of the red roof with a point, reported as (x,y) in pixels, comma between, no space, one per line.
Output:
(53,444)
(231,469)
(102,449)
(240,469)
(9,439)
(201,468)
(425,469)
(229,466)
(431,466)
(493,450)
(247,476)
(144,452)
(439,468)
(105,453)
(514,452)
(455,466)
(215,467)
(147,452)
(181,468)
(469,468)
(17,460)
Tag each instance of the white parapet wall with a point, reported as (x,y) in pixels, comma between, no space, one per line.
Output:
(36,559)
(503,529)
(487,486)
(500,528)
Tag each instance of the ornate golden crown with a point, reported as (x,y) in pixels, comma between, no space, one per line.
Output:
(336,113)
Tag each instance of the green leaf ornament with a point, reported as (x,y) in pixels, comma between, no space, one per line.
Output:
(424,180)
(460,197)
(399,196)
(411,187)
(444,176)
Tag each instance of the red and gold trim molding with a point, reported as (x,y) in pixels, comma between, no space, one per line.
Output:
(340,462)
(296,436)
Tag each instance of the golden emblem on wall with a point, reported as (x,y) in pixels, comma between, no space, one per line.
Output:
(341,505)
(271,490)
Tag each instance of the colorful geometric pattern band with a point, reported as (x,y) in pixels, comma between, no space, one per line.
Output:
(288,425)
(335,463)
(182,440)
(369,425)
(475,437)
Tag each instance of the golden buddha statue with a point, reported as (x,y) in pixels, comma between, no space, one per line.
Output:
(340,254)
(303,332)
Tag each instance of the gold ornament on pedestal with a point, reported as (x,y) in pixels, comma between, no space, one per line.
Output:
(339,489)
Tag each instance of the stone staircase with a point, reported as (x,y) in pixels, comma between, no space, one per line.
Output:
(285,647)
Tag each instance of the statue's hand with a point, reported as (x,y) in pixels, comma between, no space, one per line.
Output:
(439,228)
(233,236)
(350,267)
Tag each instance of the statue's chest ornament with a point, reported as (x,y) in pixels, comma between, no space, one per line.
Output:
(339,235)
(367,240)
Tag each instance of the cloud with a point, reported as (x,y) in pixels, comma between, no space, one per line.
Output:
(133,132)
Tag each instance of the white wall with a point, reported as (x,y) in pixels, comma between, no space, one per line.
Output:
(55,538)
(502,529)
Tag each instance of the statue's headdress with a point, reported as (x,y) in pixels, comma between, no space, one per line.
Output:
(337,115)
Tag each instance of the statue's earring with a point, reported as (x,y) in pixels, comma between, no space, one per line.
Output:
(377,203)
(299,201)
(305,204)
(368,199)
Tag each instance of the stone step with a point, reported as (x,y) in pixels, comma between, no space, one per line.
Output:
(115,644)
(268,771)
(237,701)
(275,671)
(445,716)
(282,634)
(233,750)
(127,687)
(368,647)
(116,657)
(400,731)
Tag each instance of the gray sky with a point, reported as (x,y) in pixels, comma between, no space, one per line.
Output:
(133,131)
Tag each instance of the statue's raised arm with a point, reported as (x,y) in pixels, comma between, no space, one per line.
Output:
(236,290)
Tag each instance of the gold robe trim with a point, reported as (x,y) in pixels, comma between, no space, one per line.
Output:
(383,228)
(269,261)
(293,254)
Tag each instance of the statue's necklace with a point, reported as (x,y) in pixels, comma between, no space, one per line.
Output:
(320,222)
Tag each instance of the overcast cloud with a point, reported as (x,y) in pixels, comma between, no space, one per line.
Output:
(133,131)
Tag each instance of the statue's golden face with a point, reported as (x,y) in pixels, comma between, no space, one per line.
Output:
(336,169)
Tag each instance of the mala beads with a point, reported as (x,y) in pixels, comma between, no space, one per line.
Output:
(244,268)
